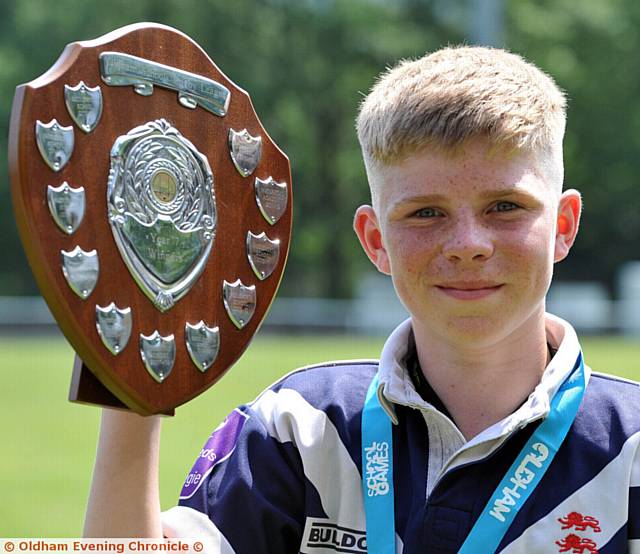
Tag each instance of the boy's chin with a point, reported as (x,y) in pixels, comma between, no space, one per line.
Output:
(472,332)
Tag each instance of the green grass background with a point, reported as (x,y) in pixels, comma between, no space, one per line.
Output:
(47,445)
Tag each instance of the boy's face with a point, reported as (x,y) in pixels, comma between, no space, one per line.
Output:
(469,240)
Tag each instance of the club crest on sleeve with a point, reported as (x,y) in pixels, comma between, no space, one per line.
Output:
(577,545)
(217,449)
(579,523)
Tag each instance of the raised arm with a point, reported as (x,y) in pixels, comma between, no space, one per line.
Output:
(124,500)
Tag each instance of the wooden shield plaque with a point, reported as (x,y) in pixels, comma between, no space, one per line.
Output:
(154,209)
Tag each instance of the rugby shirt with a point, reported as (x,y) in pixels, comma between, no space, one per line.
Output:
(283,473)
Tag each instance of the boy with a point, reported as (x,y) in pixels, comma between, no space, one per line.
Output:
(480,429)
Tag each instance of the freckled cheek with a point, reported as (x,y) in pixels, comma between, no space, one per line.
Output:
(411,254)
(530,257)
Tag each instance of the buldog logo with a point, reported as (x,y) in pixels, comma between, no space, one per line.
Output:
(323,536)
(579,522)
(577,545)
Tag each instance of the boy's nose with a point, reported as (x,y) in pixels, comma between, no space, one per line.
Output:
(468,240)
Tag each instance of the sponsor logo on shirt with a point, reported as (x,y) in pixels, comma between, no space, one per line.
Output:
(522,476)
(322,536)
(219,447)
(377,468)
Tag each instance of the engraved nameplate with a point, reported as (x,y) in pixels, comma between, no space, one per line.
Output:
(66,205)
(114,327)
(203,344)
(81,269)
(55,143)
(117,69)
(262,253)
(158,354)
(84,105)
(239,301)
(245,151)
(271,198)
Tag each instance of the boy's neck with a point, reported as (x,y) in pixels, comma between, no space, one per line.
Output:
(481,386)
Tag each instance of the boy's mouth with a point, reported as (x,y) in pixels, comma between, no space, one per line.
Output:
(469,290)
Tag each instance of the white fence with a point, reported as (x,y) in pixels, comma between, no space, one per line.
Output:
(376,310)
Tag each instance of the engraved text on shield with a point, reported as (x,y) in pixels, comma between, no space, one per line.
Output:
(162,210)
(262,253)
(239,301)
(203,343)
(118,69)
(114,326)
(245,151)
(66,205)
(55,143)
(81,270)
(158,354)
(84,105)
(271,198)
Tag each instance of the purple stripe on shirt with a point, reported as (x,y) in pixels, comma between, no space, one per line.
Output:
(218,448)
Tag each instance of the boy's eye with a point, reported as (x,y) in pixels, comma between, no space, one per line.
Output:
(505,207)
(427,213)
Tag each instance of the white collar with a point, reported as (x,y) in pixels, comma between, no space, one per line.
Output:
(396,386)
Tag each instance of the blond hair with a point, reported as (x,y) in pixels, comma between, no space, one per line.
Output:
(456,94)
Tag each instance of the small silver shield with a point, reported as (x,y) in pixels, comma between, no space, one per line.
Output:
(84,105)
(245,151)
(66,205)
(239,301)
(203,344)
(81,269)
(271,198)
(55,143)
(114,327)
(158,354)
(263,254)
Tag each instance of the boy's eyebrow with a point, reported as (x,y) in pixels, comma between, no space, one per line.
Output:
(509,191)
(426,198)
(439,198)
(416,199)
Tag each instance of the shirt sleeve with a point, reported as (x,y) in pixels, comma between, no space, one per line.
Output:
(250,487)
(633,523)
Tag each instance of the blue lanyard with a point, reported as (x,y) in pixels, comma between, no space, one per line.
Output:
(377,474)
(513,491)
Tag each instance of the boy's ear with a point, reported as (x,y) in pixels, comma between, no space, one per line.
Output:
(567,223)
(365,224)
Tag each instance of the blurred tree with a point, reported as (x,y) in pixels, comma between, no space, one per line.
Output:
(307,64)
(591,49)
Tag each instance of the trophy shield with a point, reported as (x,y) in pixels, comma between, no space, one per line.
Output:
(155,212)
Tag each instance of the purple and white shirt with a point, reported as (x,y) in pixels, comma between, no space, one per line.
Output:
(283,473)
